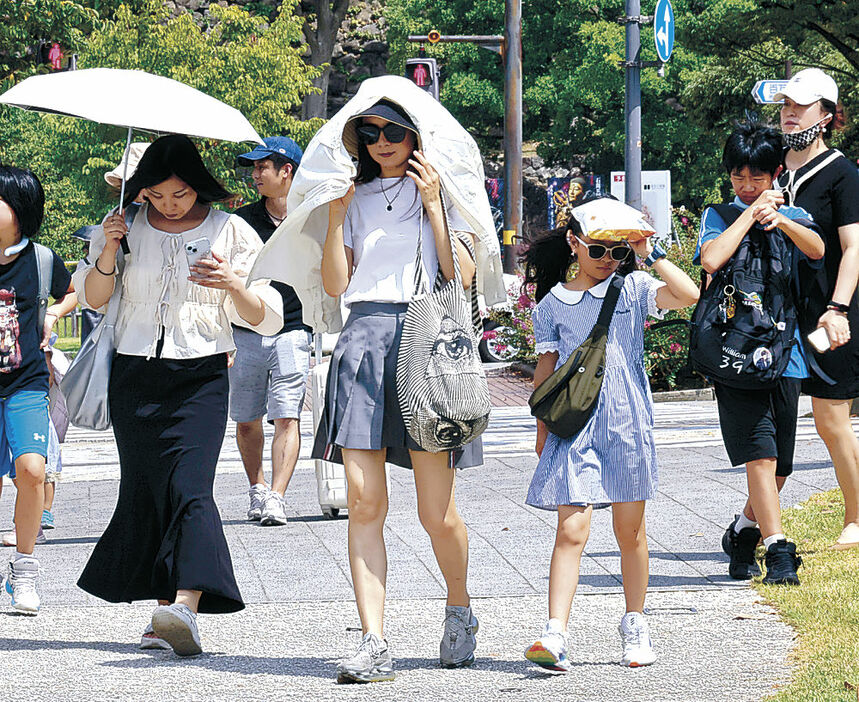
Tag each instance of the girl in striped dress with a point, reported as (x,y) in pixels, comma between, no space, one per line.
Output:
(612,460)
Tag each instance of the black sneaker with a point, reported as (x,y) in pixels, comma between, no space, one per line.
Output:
(741,548)
(781,561)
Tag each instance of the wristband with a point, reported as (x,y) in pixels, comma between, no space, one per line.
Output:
(657,253)
(837,307)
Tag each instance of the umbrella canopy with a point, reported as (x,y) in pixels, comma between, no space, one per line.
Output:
(608,219)
(132,99)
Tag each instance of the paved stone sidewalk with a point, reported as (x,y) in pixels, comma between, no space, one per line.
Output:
(713,646)
(296,581)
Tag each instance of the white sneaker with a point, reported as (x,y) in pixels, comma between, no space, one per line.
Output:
(21,584)
(177,625)
(637,646)
(150,640)
(550,650)
(273,510)
(257,494)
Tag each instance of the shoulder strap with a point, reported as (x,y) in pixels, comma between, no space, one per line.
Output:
(729,213)
(609,302)
(45,275)
(791,187)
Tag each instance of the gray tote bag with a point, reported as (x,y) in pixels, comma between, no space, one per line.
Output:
(441,386)
(84,386)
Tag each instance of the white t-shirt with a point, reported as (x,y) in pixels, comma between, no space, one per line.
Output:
(384,243)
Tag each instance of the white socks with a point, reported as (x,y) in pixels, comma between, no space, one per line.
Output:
(744,523)
(18,555)
(770,540)
(556,627)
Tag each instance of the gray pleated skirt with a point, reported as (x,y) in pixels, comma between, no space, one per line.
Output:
(361,407)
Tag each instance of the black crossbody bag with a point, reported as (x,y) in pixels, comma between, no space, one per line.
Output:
(566,400)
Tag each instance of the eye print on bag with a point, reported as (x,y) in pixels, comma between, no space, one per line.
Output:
(452,345)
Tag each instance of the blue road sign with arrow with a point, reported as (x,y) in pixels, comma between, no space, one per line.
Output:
(765,90)
(663,29)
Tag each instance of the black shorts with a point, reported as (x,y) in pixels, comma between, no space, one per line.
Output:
(760,423)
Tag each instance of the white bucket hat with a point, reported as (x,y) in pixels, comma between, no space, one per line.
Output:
(132,155)
(809,86)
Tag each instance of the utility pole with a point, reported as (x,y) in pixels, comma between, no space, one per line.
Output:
(510,48)
(512,131)
(632,105)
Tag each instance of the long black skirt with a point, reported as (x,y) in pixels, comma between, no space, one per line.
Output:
(169,419)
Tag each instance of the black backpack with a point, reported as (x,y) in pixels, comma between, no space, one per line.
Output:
(743,327)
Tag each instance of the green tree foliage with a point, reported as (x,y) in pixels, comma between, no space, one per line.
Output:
(25,23)
(573,86)
(254,66)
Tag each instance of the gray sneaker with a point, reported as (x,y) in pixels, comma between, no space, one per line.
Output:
(273,510)
(370,663)
(257,495)
(459,641)
(177,625)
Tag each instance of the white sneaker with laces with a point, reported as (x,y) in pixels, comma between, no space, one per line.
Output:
(257,494)
(273,510)
(21,578)
(177,625)
(550,650)
(150,641)
(637,646)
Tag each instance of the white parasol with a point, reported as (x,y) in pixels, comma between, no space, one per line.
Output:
(132,99)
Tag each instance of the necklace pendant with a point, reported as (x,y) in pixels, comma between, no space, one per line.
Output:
(389,207)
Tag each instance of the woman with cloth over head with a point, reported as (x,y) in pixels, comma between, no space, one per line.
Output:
(168,389)
(370,257)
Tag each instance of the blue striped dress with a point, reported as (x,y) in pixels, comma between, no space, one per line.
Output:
(613,458)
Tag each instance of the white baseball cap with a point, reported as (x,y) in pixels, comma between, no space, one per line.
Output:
(809,86)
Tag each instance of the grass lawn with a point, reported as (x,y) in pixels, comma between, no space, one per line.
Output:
(824,609)
(68,344)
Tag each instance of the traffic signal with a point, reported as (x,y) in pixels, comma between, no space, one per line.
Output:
(424,73)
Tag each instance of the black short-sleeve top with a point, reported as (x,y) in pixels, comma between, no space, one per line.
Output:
(831,196)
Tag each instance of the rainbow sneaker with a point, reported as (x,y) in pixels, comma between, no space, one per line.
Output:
(550,650)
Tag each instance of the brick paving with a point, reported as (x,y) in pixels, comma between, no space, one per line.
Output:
(508,387)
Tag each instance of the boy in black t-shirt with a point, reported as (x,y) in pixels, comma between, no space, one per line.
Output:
(23,370)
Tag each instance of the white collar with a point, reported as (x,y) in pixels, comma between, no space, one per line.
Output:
(573,297)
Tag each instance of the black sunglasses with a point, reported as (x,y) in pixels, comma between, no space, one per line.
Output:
(598,251)
(370,133)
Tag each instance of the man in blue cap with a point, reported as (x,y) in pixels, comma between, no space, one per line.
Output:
(270,372)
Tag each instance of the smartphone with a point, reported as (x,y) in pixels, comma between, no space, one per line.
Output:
(197,250)
(819,339)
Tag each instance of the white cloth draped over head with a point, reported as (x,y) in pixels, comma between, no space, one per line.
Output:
(293,254)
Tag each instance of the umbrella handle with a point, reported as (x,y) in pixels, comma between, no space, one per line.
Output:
(122,242)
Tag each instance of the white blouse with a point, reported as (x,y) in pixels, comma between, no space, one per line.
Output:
(156,292)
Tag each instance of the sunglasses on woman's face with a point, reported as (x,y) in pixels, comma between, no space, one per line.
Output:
(370,133)
(598,251)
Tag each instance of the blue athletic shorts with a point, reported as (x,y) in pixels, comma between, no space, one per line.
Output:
(23,427)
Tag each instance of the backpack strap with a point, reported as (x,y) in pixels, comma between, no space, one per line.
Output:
(728,212)
(45,275)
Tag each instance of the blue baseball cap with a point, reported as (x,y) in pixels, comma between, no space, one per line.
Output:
(276,145)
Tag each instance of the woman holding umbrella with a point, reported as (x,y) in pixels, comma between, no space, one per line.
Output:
(168,388)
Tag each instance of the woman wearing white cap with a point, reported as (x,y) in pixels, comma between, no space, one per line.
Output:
(826,184)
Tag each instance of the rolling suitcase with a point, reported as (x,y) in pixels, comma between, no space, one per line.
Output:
(330,477)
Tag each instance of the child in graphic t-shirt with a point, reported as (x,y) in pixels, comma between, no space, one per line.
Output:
(24,427)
